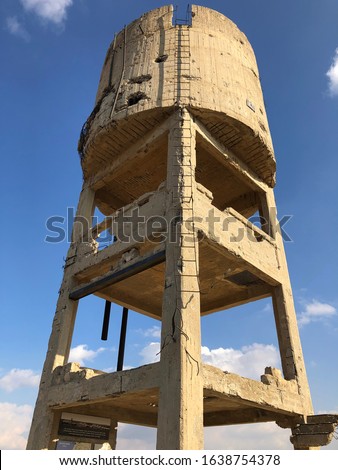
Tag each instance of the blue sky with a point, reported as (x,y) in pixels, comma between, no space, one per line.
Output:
(52,52)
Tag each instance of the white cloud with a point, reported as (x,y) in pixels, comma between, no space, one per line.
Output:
(54,11)
(18,378)
(332,74)
(150,353)
(267,308)
(81,353)
(153,332)
(240,437)
(15,421)
(130,437)
(249,361)
(248,436)
(316,311)
(16,28)
(267,436)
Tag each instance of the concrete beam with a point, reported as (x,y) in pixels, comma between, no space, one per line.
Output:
(75,386)
(274,398)
(233,300)
(110,221)
(137,265)
(284,310)
(316,432)
(235,237)
(134,153)
(228,158)
(132,232)
(241,416)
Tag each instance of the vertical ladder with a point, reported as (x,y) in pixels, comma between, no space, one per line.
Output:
(182,64)
(182,97)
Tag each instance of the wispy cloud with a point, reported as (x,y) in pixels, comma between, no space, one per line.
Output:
(316,311)
(153,332)
(14,425)
(54,11)
(14,27)
(332,74)
(150,353)
(267,308)
(81,354)
(19,378)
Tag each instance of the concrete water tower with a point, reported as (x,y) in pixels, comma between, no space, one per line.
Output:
(177,155)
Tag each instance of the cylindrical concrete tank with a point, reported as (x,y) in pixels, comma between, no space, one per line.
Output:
(153,66)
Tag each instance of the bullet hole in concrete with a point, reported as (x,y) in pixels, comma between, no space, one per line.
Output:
(161,58)
(141,79)
(261,125)
(134,98)
(250,105)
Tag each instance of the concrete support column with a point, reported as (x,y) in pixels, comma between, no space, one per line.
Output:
(285,315)
(113,434)
(63,326)
(180,415)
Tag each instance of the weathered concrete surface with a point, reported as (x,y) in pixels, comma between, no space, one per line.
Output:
(149,67)
(318,431)
(132,396)
(179,132)
(180,417)
(229,231)
(281,397)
